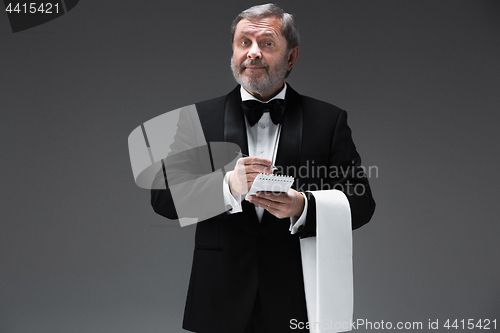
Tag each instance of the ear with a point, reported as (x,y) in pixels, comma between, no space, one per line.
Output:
(293,55)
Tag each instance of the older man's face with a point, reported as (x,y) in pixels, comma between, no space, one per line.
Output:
(260,57)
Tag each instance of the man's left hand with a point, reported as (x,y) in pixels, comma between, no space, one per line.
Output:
(280,205)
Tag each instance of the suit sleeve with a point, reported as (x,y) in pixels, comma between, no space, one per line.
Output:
(349,178)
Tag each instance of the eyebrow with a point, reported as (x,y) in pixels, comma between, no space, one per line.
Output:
(266,34)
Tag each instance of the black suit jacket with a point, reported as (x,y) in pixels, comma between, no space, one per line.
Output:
(236,256)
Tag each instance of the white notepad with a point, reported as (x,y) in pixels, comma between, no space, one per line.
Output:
(270,183)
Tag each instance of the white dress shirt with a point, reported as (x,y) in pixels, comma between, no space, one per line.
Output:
(262,141)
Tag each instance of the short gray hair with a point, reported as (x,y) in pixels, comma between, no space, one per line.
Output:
(288,26)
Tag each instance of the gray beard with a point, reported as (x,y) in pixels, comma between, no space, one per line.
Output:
(264,84)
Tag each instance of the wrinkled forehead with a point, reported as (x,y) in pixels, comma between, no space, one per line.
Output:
(269,26)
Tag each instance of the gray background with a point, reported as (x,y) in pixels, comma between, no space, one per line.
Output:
(81,250)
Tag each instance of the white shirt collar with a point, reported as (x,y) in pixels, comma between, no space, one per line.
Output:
(245,95)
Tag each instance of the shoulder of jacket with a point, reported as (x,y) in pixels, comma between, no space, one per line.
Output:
(320,109)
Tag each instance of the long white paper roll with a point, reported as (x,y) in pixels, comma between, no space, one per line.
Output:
(327,265)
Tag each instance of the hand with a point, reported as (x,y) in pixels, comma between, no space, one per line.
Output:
(245,172)
(280,205)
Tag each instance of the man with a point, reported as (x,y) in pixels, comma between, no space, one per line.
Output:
(247,274)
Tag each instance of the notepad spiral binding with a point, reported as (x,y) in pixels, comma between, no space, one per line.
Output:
(271,183)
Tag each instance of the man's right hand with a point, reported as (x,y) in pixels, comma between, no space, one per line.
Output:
(245,172)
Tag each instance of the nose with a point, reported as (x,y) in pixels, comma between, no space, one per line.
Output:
(254,52)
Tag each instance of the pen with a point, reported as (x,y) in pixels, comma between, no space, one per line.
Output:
(270,166)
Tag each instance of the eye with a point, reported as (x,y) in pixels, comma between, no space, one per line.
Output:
(244,42)
(269,44)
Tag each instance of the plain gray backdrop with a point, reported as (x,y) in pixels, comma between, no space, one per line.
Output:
(81,249)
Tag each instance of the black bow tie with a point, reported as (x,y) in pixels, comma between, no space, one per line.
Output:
(254,109)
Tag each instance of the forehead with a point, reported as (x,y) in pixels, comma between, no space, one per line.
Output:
(269,26)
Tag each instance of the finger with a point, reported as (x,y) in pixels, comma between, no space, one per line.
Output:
(257,160)
(259,201)
(258,168)
(279,197)
(251,176)
(265,203)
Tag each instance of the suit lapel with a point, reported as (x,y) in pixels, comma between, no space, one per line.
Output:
(234,121)
(235,132)
(290,144)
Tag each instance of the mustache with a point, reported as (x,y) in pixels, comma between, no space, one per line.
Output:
(253,62)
